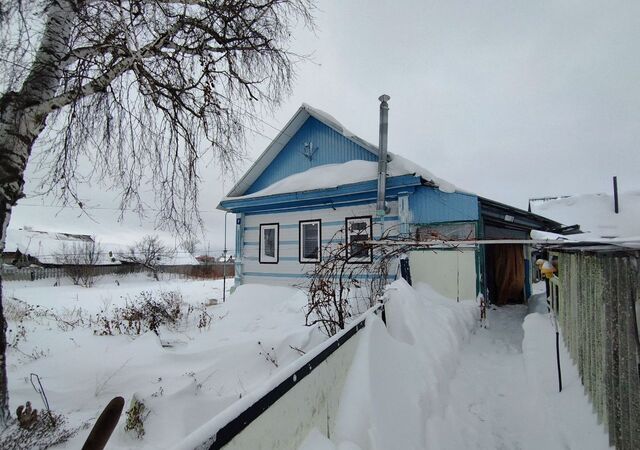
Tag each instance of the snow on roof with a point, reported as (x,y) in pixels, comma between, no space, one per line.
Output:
(332,122)
(355,171)
(403,164)
(298,119)
(273,149)
(47,246)
(595,214)
(42,232)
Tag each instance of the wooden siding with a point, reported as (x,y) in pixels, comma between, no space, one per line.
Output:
(331,148)
(289,270)
(430,205)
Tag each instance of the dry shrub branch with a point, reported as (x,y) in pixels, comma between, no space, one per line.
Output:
(341,288)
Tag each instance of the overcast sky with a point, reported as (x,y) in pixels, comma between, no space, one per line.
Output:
(510,99)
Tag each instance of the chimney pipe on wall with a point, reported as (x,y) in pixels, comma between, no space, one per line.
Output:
(381,207)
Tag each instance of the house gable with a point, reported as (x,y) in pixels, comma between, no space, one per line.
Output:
(313,144)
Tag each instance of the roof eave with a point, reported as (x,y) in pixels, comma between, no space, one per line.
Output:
(493,209)
(356,190)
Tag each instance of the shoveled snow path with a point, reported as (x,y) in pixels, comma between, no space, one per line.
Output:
(493,404)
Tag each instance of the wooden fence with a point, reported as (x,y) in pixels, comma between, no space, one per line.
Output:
(207,271)
(596,297)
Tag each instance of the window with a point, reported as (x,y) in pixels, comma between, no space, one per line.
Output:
(269,237)
(309,240)
(358,230)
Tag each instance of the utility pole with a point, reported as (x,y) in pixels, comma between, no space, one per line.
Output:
(224,263)
(615,195)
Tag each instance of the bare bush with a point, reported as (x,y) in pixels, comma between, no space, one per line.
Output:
(148,312)
(16,310)
(340,288)
(18,313)
(33,431)
(145,313)
(71,318)
(136,415)
(269,355)
(79,260)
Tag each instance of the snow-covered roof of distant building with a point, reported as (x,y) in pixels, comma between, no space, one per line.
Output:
(329,175)
(595,214)
(48,245)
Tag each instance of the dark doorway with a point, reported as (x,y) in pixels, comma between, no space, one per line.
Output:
(505,273)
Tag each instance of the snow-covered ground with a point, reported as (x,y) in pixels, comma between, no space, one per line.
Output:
(422,385)
(250,337)
(430,379)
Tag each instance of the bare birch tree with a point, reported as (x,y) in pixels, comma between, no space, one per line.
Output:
(141,89)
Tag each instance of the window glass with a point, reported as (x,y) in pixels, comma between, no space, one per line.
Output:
(358,231)
(310,241)
(270,242)
(269,236)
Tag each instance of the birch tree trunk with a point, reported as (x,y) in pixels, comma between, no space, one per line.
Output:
(20,125)
(149,81)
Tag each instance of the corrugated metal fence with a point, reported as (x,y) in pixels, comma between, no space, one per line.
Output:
(214,270)
(599,297)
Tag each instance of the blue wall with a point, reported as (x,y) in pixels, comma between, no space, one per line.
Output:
(332,148)
(430,205)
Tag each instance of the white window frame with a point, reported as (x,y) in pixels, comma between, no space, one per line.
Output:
(349,238)
(301,241)
(263,258)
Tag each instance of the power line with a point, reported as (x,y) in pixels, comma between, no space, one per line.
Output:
(105,208)
(119,255)
(249,113)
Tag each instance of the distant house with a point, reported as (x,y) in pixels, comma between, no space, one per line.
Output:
(206,259)
(26,246)
(315,185)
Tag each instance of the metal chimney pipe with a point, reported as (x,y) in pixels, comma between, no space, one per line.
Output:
(382,156)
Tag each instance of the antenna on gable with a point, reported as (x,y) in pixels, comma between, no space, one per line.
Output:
(309,150)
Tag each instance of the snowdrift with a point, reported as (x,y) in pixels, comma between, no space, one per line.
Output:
(399,376)
(184,385)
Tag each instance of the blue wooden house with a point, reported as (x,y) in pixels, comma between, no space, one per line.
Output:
(316,184)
